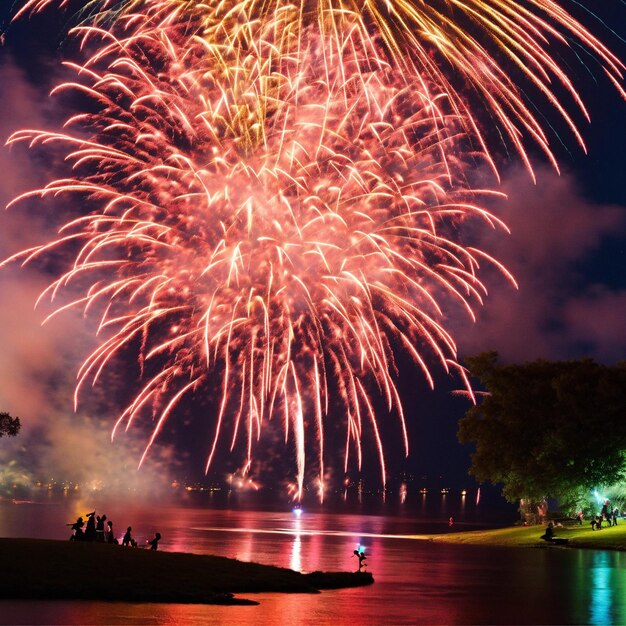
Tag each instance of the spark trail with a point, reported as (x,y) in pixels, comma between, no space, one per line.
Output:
(495,59)
(278,224)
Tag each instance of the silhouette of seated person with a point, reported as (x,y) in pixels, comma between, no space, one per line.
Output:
(128,538)
(154,543)
(77,528)
(549,534)
(109,535)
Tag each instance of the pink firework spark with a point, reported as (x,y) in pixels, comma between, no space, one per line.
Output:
(279,224)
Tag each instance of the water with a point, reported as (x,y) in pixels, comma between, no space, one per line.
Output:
(417,582)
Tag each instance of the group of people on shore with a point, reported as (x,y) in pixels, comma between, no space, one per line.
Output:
(100,530)
(608,515)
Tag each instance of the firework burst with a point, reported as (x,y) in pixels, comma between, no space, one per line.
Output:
(273,197)
(280,225)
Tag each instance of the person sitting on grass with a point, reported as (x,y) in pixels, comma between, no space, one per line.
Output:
(154,543)
(128,538)
(77,530)
(549,534)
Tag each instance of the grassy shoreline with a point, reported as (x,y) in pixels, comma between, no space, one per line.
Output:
(613,538)
(46,569)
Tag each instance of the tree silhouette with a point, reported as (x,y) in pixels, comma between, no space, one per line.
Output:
(547,429)
(9,426)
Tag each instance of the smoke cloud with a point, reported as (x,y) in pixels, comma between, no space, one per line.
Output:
(38,363)
(563,308)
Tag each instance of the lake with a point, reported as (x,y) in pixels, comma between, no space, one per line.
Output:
(417,582)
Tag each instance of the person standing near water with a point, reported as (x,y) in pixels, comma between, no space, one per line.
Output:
(360,554)
(100,520)
(90,531)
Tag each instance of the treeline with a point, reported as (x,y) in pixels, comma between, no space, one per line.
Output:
(547,429)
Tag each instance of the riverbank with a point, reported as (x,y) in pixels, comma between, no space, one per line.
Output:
(613,538)
(45,569)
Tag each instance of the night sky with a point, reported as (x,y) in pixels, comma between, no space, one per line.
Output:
(567,250)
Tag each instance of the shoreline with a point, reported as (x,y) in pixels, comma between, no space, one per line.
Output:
(579,537)
(45,569)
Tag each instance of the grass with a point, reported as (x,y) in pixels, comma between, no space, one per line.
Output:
(44,569)
(613,538)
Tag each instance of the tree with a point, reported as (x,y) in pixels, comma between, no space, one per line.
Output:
(9,425)
(547,429)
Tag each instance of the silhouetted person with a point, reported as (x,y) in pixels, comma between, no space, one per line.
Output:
(579,518)
(606,513)
(549,534)
(154,543)
(100,528)
(361,556)
(90,531)
(615,514)
(128,538)
(109,535)
(77,528)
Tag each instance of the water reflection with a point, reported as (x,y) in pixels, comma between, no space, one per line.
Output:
(608,588)
(416,581)
(403,493)
(295,562)
(601,591)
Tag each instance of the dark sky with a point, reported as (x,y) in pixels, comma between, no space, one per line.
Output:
(567,249)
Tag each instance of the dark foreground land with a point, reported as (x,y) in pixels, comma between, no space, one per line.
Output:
(42,569)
